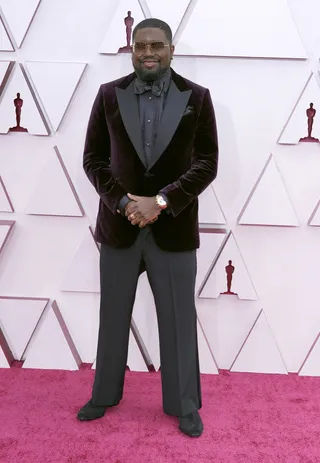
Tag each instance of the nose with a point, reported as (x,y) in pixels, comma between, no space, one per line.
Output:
(148,51)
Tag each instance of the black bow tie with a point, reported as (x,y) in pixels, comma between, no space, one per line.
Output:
(156,88)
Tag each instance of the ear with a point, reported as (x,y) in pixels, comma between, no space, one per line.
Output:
(172,48)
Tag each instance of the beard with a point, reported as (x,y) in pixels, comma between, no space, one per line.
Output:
(150,75)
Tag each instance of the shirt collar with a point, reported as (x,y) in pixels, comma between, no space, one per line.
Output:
(166,79)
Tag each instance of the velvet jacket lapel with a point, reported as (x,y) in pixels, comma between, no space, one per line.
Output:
(129,111)
(177,100)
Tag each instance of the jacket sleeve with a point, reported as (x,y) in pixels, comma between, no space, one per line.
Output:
(204,166)
(96,157)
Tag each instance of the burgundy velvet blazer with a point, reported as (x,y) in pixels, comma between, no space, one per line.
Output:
(184,161)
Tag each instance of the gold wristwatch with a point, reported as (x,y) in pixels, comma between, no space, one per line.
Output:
(161,202)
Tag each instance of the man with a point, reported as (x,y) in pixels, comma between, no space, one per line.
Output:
(151,149)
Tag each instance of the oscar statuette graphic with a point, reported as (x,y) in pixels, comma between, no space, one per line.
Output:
(128,21)
(18,103)
(311,112)
(229,271)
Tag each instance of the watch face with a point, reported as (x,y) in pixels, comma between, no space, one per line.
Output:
(161,202)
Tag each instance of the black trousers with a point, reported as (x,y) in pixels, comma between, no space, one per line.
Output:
(172,279)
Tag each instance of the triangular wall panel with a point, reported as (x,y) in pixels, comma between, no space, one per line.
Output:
(311,365)
(269,203)
(296,128)
(226,323)
(5,42)
(80,311)
(32,120)
(47,199)
(51,346)
(168,11)
(210,211)
(3,360)
(208,30)
(19,15)
(19,318)
(6,356)
(306,16)
(5,69)
(116,37)
(55,84)
(260,353)
(83,274)
(216,284)
(314,220)
(135,360)
(5,201)
(6,227)
(211,242)
(207,363)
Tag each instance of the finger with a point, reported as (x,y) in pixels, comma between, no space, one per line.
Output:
(149,218)
(142,224)
(133,197)
(136,215)
(135,221)
(131,209)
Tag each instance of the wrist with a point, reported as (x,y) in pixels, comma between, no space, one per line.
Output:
(161,202)
(123,203)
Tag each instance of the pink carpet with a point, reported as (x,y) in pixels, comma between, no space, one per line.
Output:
(247,418)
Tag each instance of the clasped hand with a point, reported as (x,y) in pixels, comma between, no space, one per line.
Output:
(142,210)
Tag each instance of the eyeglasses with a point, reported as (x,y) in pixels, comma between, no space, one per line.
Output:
(141,47)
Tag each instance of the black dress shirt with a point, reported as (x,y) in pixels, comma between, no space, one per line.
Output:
(151,100)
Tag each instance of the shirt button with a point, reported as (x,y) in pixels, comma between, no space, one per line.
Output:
(148,144)
(149,121)
(150,97)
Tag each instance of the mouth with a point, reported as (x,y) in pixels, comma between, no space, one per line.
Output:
(150,64)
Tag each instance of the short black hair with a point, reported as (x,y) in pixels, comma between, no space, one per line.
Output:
(154,23)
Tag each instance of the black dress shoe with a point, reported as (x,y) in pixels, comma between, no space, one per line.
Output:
(191,424)
(91,412)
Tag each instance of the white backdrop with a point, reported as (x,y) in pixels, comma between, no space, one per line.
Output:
(260,61)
